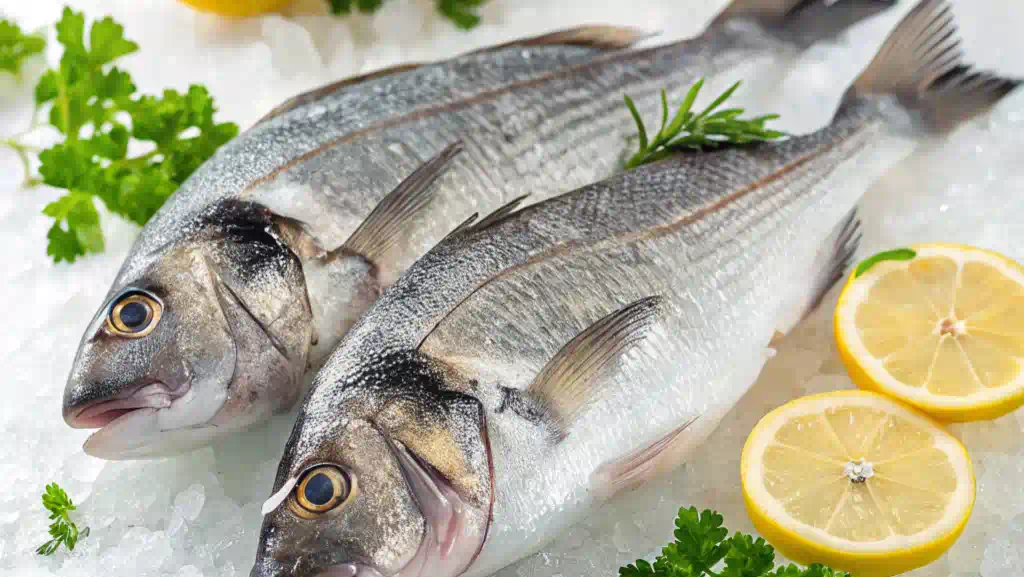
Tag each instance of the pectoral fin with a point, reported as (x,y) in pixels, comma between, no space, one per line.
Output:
(572,377)
(380,231)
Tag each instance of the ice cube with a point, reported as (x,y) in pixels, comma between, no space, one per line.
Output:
(1005,554)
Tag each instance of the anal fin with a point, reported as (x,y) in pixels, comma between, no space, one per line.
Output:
(570,380)
(380,231)
(642,465)
(827,269)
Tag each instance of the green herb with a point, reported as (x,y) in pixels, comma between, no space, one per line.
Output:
(16,46)
(701,542)
(94,106)
(689,130)
(461,12)
(63,530)
(896,254)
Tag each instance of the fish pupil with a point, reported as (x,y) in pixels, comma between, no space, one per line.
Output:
(319,489)
(133,314)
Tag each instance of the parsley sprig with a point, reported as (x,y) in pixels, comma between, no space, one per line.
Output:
(461,12)
(63,530)
(94,107)
(701,542)
(691,130)
(16,46)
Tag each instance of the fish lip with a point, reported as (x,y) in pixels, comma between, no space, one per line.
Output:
(350,570)
(100,413)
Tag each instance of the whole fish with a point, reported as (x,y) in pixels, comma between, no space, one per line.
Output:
(252,271)
(533,365)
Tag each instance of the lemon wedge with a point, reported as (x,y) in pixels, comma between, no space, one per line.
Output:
(943,331)
(857,481)
(238,8)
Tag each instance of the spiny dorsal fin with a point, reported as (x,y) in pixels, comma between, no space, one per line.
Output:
(318,93)
(921,63)
(502,213)
(603,36)
(381,229)
(463,226)
(597,36)
(471,225)
(570,379)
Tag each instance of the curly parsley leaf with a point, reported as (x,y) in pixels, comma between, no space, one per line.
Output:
(63,530)
(701,543)
(94,105)
(747,557)
(16,46)
(461,12)
(690,130)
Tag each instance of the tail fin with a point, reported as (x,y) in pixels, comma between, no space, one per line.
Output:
(803,22)
(921,64)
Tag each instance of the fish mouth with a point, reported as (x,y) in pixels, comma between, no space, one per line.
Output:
(153,420)
(103,412)
(351,570)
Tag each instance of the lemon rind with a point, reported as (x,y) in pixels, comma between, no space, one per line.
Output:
(758,498)
(868,372)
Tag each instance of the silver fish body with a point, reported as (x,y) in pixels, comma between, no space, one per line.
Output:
(246,278)
(481,361)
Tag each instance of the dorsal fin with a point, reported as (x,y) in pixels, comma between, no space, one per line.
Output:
(569,381)
(503,212)
(380,230)
(318,93)
(603,36)
(462,226)
(596,36)
(471,225)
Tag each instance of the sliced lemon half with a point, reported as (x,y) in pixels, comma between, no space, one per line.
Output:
(857,481)
(943,330)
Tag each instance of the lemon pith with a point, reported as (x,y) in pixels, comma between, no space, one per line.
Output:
(943,331)
(238,8)
(857,481)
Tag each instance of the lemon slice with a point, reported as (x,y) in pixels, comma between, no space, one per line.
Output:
(943,331)
(856,481)
(238,8)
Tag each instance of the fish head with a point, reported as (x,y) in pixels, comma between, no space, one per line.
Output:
(208,337)
(383,483)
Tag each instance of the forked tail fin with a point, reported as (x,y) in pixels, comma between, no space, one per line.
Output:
(921,64)
(803,22)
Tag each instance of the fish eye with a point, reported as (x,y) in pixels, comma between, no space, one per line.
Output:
(320,489)
(134,315)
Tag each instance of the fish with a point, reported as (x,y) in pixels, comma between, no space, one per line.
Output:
(538,362)
(246,279)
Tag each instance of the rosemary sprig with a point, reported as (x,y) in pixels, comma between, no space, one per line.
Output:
(690,130)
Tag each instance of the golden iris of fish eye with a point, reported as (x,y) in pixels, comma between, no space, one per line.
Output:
(302,507)
(153,314)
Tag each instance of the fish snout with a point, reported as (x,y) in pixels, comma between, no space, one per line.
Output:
(95,405)
(267,567)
